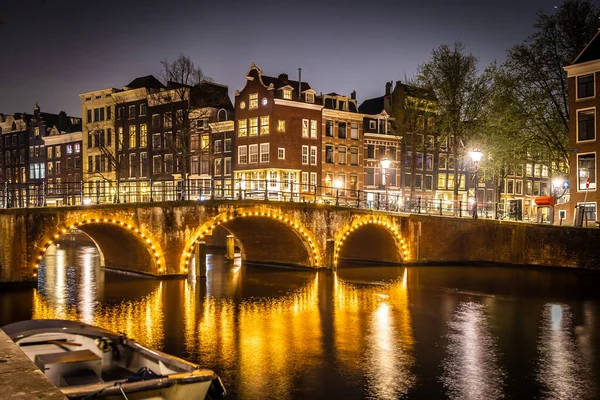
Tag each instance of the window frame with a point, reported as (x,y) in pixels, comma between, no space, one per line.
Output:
(577,98)
(577,125)
(591,189)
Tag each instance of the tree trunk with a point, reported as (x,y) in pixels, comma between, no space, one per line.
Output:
(455,189)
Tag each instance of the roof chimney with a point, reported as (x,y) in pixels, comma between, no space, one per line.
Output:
(283,77)
(353,95)
(388,88)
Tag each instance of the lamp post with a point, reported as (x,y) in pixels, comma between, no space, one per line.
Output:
(476,157)
(385,164)
(338,185)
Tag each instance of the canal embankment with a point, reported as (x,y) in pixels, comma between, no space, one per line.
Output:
(20,378)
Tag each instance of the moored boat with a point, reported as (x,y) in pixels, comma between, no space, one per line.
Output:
(85,361)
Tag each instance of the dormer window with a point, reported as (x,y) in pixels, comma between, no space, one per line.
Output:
(342,105)
(253,101)
(310,98)
(287,94)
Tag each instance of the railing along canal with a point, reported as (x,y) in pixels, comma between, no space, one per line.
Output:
(18,195)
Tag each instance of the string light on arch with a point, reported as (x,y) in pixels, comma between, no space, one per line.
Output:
(67,227)
(274,215)
(391,227)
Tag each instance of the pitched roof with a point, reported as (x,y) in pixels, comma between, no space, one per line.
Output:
(372,106)
(591,52)
(282,80)
(148,81)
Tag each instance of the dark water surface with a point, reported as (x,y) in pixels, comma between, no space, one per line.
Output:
(365,332)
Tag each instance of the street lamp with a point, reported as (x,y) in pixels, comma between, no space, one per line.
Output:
(476,157)
(385,164)
(338,185)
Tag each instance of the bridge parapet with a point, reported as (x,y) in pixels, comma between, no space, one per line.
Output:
(157,238)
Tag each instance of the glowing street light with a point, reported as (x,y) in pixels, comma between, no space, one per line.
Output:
(338,185)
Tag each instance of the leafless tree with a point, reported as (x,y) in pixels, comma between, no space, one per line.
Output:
(115,153)
(183,96)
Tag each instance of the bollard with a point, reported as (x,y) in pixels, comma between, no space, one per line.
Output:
(230,248)
(201,260)
(330,251)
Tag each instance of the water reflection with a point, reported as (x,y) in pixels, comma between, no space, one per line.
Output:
(380,313)
(471,368)
(71,288)
(563,370)
(365,332)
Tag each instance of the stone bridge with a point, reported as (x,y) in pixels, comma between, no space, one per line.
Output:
(158,238)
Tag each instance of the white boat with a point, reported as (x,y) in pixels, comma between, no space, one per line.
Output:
(85,361)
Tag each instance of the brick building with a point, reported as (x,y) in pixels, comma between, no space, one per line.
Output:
(24,155)
(341,141)
(584,101)
(278,123)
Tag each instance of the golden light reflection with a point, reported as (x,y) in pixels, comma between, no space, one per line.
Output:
(562,369)
(382,311)
(273,336)
(471,367)
(141,320)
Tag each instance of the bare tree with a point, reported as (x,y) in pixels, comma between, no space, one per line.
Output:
(183,96)
(114,153)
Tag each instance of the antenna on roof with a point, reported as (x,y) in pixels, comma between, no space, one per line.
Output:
(299,83)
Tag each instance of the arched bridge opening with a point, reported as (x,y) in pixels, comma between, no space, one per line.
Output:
(370,240)
(264,236)
(121,245)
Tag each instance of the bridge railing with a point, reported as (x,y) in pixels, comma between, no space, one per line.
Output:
(16,195)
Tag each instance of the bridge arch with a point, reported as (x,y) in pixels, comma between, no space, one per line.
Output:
(120,242)
(285,232)
(380,236)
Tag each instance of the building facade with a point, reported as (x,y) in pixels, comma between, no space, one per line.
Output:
(278,125)
(341,148)
(584,102)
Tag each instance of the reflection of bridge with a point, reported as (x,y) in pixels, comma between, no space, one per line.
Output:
(158,238)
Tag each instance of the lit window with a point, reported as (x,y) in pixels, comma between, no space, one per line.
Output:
(253,101)
(305,181)
(305,128)
(586,169)
(313,129)
(132,136)
(264,125)
(310,98)
(243,105)
(305,155)
(143,135)
(242,128)
(281,125)
(287,94)
(253,126)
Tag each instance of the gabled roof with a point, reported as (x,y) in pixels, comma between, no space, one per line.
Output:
(590,52)
(148,82)
(372,106)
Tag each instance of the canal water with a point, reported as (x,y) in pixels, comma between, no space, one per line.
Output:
(363,332)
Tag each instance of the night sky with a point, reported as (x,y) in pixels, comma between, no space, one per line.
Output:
(52,51)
